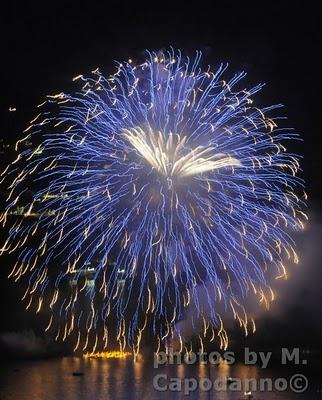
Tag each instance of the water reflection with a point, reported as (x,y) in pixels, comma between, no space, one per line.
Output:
(118,379)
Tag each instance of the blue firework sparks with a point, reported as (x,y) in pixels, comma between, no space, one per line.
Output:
(159,188)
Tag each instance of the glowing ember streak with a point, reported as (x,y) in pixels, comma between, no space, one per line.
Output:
(166,158)
(108,354)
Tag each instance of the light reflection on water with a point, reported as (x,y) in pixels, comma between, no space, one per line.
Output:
(120,379)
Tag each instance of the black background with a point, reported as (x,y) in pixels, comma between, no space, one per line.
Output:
(43,45)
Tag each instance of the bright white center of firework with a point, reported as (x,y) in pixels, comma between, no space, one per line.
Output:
(172,157)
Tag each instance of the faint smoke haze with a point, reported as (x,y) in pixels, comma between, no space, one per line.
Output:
(300,296)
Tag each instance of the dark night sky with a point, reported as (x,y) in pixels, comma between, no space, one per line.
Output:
(43,46)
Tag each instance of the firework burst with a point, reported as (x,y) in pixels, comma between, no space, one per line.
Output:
(158,189)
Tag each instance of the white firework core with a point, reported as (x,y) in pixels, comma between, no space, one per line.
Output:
(172,158)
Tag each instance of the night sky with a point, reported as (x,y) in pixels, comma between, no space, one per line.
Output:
(43,46)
